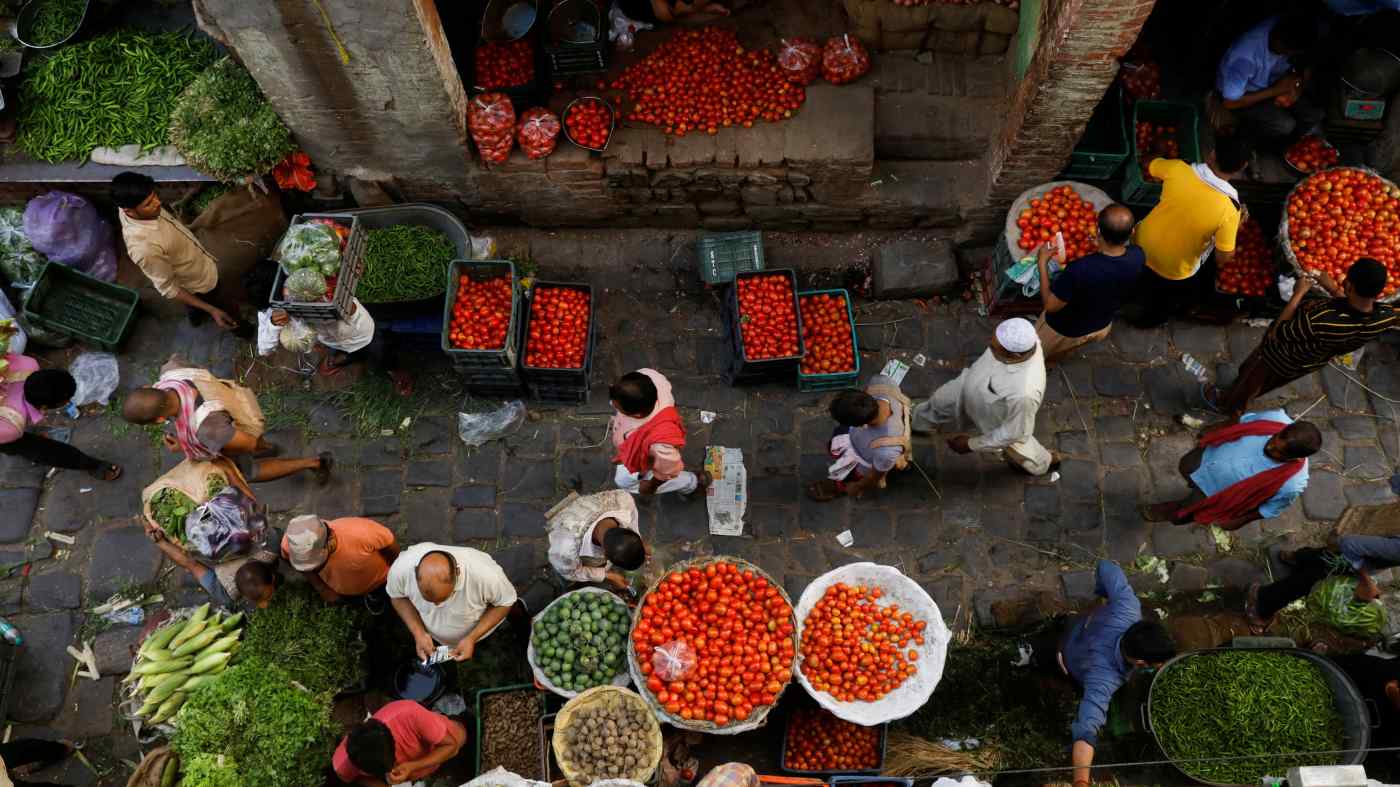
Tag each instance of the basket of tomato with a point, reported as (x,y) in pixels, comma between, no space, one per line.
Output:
(713,645)
(1337,216)
(1311,154)
(765,326)
(479,317)
(832,361)
(816,743)
(1061,206)
(872,643)
(1251,271)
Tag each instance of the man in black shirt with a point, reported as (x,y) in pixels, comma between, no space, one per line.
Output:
(1083,299)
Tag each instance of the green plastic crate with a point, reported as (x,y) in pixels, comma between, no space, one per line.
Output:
(838,381)
(1105,144)
(74,304)
(723,255)
(502,689)
(1137,190)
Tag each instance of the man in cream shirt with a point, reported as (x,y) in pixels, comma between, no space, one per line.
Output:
(450,595)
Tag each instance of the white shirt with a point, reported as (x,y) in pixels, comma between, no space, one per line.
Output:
(348,335)
(481,583)
(1003,398)
(572,552)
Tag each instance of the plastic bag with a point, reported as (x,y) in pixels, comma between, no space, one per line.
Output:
(20,263)
(500,777)
(1334,602)
(268,334)
(306,285)
(622,29)
(97,376)
(67,229)
(227,526)
(310,245)
(297,336)
(844,59)
(538,132)
(673,661)
(483,247)
(480,428)
(491,119)
(800,59)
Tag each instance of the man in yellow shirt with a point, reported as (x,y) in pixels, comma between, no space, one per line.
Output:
(1199,214)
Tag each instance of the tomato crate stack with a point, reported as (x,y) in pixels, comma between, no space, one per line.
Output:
(767,343)
(556,363)
(352,266)
(830,336)
(1137,189)
(487,371)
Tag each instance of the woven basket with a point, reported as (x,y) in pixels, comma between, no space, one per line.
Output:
(1376,520)
(1285,243)
(1011,234)
(620,679)
(760,713)
(611,697)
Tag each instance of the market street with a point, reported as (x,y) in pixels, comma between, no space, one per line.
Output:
(985,537)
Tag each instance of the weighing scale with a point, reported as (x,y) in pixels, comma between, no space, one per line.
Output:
(1365,84)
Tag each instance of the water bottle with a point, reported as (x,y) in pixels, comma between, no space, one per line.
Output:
(1193,367)
(10,633)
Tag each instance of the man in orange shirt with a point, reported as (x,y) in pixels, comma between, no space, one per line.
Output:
(341,558)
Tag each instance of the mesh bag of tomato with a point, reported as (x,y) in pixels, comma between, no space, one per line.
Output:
(537,132)
(738,627)
(844,59)
(491,119)
(800,59)
(1339,215)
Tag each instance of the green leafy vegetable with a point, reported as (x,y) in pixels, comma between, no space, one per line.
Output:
(405,262)
(203,199)
(224,127)
(20,263)
(1333,601)
(113,90)
(170,506)
(53,21)
(279,735)
(210,770)
(311,244)
(319,646)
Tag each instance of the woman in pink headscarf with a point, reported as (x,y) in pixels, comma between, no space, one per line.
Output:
(24,394)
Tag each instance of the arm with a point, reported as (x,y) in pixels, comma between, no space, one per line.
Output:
(493,616)
(1048,299)
(195,302)
(422,640)
(1019,424)
(327,594)
(1093,712)
(1304,283)
(1290,84)
(445,749)
(1231,525)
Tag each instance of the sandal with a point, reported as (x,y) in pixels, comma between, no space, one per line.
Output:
(1210,396)
(329,369)
(823,491)
(1257,625)
(323,473)
(107,472)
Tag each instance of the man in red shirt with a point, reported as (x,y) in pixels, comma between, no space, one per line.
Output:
(403,742)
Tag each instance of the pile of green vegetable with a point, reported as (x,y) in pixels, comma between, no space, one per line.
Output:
(53,21)
(580,640)
(310,244)
(170,507)
(1333,601)
(112,90)
(179,658)
(254,715)
(405,262)
(204,199)
(20,263)
(319,646)
(1239,703)
(224,127)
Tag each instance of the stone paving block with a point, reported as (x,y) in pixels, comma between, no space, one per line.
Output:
(1365,461)
(19,506)
(1079,480)
(428,474)
(778,489)
(380,491)
(522,561)
(87,712)
(54,591)
(872,528)
(1071,375)
(1186,578)
(1234,573)
(775,456)
(771,416)
(1078,585)
(763,521)
(680,520)
(532,441)
(529,481)
(66,508)
(1163,458)
(328,419)
(41,671)
(1124,535)
(18,471)
(1139,346)
(585,470)
(1242,340)
(1170,389)
(114,649)
(1202,341)
(914,269)
(1170,540)
(284,494)
(915,531)
(816,435)
(1341,391)
(474,496)
(1369,493)
(909,490)
(1121,455)
(382,451)
(830,517)
(425,516)
(1004,523)
(1114,428)
(127,558)
(1114,379)
(523,520)
(1074,443)
(433,434)
(339,497)
(794,584)
(474,524)
(1355,427)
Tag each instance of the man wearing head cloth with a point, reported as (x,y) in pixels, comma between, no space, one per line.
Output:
(1308,334)
(1000,394)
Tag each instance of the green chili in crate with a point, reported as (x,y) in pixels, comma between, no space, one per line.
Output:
(1237,703)
(53,21)
(405,262)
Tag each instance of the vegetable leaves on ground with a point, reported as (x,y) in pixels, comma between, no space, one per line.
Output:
(318,645)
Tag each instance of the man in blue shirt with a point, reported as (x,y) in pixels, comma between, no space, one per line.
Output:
(1260,84)
(1099,651)
(1362,7)
(1358,555)
(1083,299)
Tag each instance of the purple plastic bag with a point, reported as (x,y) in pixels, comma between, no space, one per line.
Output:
(67,229)
(229,525)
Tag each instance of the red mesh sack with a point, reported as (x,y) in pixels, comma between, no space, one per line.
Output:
(537,132)
(844,59)
(673,661)
(800,59)
(491,119)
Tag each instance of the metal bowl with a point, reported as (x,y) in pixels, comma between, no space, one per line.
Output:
(612,121)
(575,22)
(508,20)
(26,19)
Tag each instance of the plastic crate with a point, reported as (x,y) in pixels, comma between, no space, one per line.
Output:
(1000,297)
(500,690)
(745,370)
(787,731)
(1105,144)
(503,358)
(75,304)
(837,381)
(1137,190)
(566,395)
(536,376)
(722,255)
(352,266)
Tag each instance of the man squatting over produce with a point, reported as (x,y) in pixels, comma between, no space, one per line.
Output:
(403,742)
(594,538)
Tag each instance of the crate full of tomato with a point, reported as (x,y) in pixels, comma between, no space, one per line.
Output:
(765,324)
(480,315)
(817,743)
(1251,271)
(832,361)
(558,338)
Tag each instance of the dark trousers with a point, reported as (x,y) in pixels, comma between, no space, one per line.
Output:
(1255,379)
(1159,299)
(382,352)
(1310,567)
(27,751)
(1276,128)
(45,451)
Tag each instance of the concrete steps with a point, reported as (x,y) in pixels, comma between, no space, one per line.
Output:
(938,108)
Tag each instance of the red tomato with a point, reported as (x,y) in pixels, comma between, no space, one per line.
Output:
(767,316)
(826,335)
(818,741)
(558,337)
(852,646)
(1342,214)
(1060,210)
(589,122)
(480,313)
(504,65)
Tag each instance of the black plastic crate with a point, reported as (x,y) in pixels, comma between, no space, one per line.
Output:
(559,394)
(9,658)
(744,370)
(787,733)
(568,46)
(498,391)
(352,266)
(570,378)
(1105,144)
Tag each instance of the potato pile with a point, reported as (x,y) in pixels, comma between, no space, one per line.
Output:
(608,743)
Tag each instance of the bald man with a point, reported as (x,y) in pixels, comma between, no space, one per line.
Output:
(1083,299)
(455,596)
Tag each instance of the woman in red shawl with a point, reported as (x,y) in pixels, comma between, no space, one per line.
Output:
(648,434)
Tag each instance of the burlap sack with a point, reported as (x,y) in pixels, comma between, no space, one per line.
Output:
(240,228)
(192,479)
(1376,520)
(606,697)
(152,766)
(239,401)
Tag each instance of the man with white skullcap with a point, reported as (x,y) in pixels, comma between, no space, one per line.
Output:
(1000,394)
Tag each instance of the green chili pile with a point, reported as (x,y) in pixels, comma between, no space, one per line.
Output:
(1244,703)
(405,262)
(224,127)
(53,21)
(112,90)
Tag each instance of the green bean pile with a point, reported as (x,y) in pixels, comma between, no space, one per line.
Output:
(1240,703)
(224,127)
(405,262)
(113,90)
(53,21)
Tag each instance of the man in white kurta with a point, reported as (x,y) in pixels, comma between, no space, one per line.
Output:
(580,549)
(1000,394)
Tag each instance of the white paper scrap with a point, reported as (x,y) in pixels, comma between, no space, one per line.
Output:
(845,538)
(727,497)
(895,369)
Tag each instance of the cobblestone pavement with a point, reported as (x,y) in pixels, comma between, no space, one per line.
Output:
(984,535)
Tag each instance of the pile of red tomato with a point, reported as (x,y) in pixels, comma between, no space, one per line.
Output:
(504,65)
(1340,215)
(767,316)
(480,313)
(1060,210)
(819,741)
(1312,154)
(589,122)
(558,328)
(1155,141)
(855,649)
(1251,271)
(826,334)
(1141,81)
(739,627)
(704,80)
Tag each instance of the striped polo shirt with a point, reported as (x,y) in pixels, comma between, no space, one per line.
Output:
(1322,330)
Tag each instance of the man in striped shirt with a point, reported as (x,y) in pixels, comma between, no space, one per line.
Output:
(1308,335)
